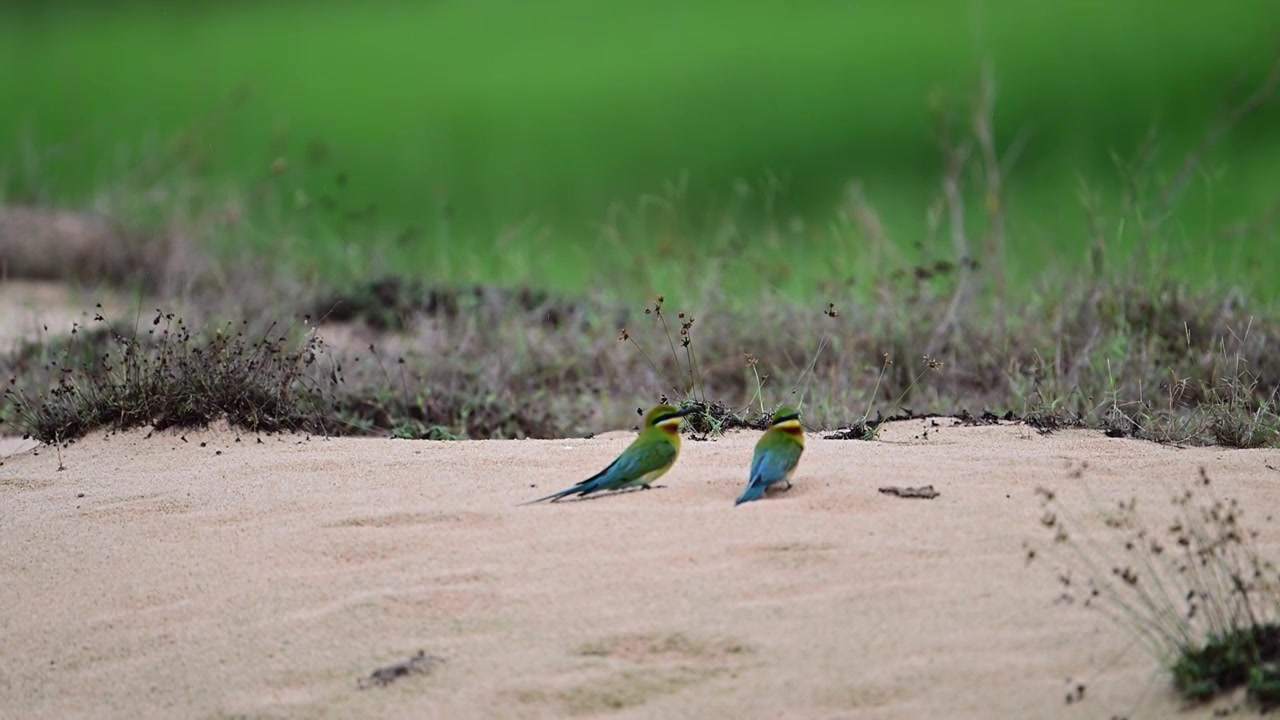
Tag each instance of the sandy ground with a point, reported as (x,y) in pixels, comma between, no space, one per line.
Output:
(213,575)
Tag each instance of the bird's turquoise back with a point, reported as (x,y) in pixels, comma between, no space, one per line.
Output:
(776,455)
(654,452)
(642,462)
(646,459)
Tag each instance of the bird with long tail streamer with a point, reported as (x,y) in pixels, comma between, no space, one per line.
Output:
(648,457)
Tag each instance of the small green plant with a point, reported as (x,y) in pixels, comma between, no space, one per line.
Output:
(1236,417)
(753,364)
(1194,591)
(708,417)
(867,428)
(806,375)
(830,312)
(716,417)
(690,384)
(414,430)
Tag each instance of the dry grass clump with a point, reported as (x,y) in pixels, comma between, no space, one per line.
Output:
(1194,590)
(167,376)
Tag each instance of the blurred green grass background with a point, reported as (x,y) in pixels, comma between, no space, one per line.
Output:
(642,147)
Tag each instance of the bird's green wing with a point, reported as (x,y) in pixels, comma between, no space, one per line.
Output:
(773,460)
(639,460)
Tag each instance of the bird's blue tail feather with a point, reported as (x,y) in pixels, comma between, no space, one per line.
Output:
(582,488)
(753,492)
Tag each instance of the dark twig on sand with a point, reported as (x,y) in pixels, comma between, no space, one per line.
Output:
(421,664)
(924,492)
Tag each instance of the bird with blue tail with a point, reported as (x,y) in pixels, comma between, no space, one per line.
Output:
(776,456)
(645,460)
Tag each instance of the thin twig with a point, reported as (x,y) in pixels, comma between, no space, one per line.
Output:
(957,158)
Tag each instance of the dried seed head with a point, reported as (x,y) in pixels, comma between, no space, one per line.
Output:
(623,335)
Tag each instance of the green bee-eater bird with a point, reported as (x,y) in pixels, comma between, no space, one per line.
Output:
(777,454)
(645,460)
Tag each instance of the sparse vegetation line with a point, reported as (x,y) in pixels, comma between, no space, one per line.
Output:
(440,376)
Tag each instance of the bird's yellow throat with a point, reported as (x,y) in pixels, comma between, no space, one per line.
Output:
(791,427)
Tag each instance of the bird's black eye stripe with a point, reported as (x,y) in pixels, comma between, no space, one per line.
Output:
(669,416)
(785,418)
